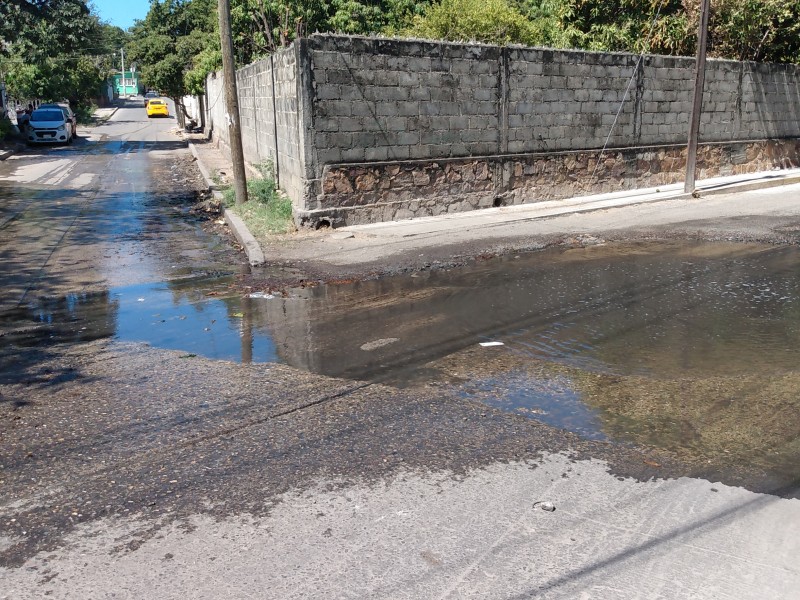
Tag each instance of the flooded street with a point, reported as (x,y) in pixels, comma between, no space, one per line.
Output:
(167,416)
(692,348)
(689,347)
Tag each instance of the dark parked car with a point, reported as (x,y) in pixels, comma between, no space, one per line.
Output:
(149,96)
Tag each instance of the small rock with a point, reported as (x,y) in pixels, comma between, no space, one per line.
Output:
(548,506)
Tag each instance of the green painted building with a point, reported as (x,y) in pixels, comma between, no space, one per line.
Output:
(132,84)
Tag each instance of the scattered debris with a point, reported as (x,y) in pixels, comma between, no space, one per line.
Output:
(374,345)
(548,506)
(488,344)
(264,295)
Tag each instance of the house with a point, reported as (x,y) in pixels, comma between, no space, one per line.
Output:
(130,86)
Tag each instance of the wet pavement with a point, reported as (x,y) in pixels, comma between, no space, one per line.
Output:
(167,431)
(690,347)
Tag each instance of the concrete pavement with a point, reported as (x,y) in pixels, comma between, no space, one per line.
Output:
(432,536)
(643,208)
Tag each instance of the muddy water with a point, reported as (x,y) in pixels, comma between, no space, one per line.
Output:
(690,347)
(694,348)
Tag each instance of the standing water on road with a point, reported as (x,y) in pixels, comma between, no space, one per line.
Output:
(690,347)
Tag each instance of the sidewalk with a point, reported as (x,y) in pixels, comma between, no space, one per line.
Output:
(491,223)
(101,115)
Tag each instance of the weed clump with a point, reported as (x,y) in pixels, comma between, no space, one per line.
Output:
(268,210)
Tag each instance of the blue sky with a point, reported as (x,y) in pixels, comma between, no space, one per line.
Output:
(121,13)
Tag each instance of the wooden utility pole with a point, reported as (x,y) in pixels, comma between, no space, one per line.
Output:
(232,103)
(697,104)
(124,89)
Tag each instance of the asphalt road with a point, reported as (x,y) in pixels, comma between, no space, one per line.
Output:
(133,472)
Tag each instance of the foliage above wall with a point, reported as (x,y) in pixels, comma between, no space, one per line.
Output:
(55,49)
(757,30)
(177,44)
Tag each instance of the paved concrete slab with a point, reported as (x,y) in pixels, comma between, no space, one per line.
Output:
(431,536)
(721,206)
(502,216)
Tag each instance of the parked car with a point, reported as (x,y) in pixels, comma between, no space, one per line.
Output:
(157,107)
(149,96)
(67,112)
(50,126)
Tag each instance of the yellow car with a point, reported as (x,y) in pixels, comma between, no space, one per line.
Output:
(157,107)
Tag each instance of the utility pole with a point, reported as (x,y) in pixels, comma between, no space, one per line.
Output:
(124,89)
(697,104)
(232,103)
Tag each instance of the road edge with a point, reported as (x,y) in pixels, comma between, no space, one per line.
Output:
(8,152)
(255,255)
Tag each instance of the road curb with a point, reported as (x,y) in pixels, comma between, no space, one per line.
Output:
(255,255)
(4,154)
(204,170)
(240,231)
(749,186)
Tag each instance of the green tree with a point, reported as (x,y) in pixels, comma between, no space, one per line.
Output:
(653,26)
(260,27)
(758,30)
(168,42)
(762,30)
(53,49)
(489,21)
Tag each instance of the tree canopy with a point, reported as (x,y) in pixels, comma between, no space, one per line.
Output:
(757,30)
(55,49)
(177,43)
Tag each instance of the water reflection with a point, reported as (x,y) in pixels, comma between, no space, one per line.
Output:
(691,347)
(659,311)
(694,348)
(200,316)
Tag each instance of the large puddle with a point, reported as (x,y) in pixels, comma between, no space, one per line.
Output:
(690,347)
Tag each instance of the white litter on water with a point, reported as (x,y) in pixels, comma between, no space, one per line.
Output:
(263,295)
(487,344)
(374,345)
(140,299)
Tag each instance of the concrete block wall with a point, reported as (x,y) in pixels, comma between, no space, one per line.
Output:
(288,119)
(215,108)
(769,100)
(373,128)
(569,100)
(269,116)
(451,118)
(376,99)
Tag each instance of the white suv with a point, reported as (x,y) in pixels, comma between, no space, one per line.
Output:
(51,124)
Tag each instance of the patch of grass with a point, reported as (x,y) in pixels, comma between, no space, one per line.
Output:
(267,211)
